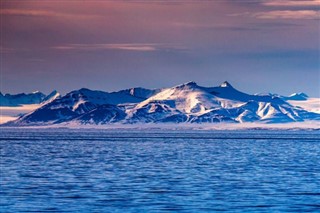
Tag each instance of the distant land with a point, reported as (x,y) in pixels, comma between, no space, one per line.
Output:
(186,103)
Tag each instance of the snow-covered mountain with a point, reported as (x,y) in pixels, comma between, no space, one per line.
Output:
(20,99)
(24,99)
(297,97)
(13,106)
(79,102)
(185,103)
(51,97)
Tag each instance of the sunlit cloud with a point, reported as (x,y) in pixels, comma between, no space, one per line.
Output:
(40,13)
(144,47)
(294,3)
(282,14)
(200,26)
(288,14)
(19,12)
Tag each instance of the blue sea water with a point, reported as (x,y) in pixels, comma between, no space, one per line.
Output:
(62,170)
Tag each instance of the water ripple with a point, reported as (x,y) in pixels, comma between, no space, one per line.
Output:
(131,171)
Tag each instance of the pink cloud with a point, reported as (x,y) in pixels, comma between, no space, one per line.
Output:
(293,3)
(145,47)
(40,13)
(22,12)
(288,14)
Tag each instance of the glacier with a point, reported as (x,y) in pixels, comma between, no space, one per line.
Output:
(186,103)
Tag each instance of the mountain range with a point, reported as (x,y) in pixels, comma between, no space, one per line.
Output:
(185,103)
(30,98)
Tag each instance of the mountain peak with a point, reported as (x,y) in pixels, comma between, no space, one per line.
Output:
(298,96)
(226,84)
(301,94)
(51,97)
(84,89)
(189,84)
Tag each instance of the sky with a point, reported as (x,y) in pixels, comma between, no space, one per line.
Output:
(257,45)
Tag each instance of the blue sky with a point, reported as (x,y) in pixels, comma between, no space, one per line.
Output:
(258,46)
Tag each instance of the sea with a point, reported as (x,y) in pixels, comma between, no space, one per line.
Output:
(119,170)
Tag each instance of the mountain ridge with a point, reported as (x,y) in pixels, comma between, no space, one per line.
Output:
(184,103)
